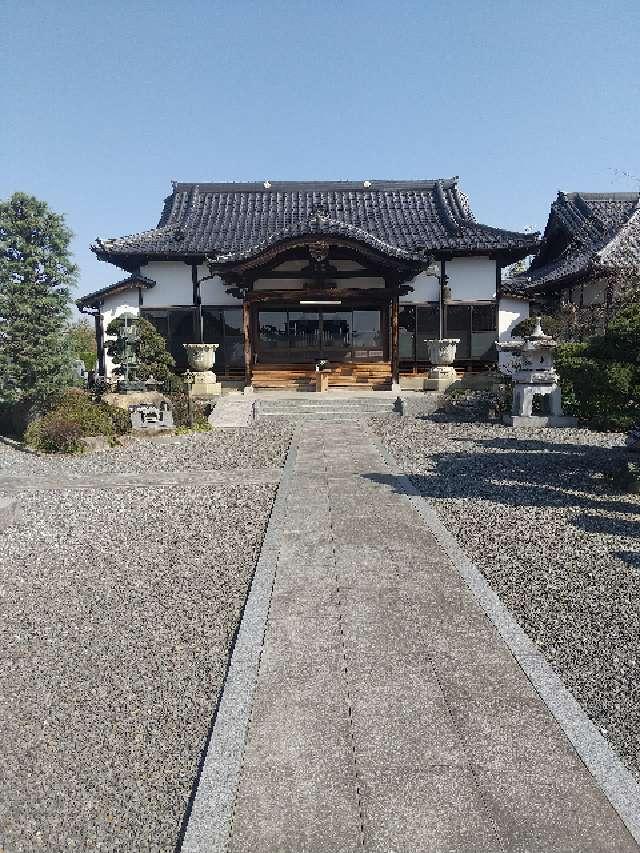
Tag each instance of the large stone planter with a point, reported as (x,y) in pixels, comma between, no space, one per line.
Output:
(442,354)
(201,358)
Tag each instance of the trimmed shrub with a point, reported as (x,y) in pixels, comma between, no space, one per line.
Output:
(75,416)
(551,325)
(56,432)
(152,356)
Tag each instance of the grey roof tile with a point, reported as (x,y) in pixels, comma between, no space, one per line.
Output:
(230,222)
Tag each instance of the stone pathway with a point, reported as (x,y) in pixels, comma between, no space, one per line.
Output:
(388,714)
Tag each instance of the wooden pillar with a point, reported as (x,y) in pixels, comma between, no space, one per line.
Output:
(197,302)
(395,341)
(248,347)
(102,367)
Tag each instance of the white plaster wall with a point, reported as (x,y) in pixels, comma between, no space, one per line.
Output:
(471,279)
(113,307)
(426,288)
(346,265)
(214,291)
(173,284)
(510,313)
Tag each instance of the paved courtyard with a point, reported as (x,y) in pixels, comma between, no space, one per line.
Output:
(387,713)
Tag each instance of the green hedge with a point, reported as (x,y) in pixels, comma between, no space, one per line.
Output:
(603,392)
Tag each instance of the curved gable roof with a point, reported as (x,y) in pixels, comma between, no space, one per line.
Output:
(229,222)
(583,230)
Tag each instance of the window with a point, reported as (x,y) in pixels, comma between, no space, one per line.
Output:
(305,335)
(365,330)
(474,325)
(458,325)
(427,328)
(407,331)
(483,332)
(221,326)
(177,327)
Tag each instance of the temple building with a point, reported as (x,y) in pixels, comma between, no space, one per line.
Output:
(284,274)
(589,252)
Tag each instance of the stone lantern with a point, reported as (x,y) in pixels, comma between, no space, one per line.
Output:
(533,374)
(442,354)
(201,358)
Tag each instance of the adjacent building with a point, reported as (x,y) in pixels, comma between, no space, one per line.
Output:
(283,274)
(589,252)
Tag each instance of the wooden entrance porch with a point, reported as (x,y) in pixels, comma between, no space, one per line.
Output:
(302,377)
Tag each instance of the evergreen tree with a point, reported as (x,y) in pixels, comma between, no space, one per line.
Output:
(36,274)
(81,336)
(152,356)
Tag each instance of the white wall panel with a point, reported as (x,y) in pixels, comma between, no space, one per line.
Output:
(426,288)
(510,313)
(472,279)
(173,284)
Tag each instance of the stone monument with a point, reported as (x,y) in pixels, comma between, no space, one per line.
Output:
(151,418)
(201,358)
(442,353)
(533,374)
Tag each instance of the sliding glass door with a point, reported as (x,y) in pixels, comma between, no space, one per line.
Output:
(304,336)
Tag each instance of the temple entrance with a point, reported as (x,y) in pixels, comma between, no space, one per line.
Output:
(294,336)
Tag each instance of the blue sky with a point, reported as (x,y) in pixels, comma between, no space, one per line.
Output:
(104,103)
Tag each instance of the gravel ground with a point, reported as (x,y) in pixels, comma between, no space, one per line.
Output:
(561,550)
(118,610)
(265,444)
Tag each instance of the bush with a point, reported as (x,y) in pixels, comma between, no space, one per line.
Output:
(605,394)
(551,325)
(600,378)
(179,409)
(75,416)
(56,432)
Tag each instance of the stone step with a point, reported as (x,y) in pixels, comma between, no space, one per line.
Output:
(274,409)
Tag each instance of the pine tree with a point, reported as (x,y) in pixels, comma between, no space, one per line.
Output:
(152,356)
(36,274)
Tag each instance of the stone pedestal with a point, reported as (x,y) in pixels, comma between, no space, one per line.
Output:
(442,353)
(205,384)
(539,421)
(201,358)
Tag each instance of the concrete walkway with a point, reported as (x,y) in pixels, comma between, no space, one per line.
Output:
(388,714)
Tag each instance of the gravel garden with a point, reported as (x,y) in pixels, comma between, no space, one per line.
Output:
(536,513)
(120,605)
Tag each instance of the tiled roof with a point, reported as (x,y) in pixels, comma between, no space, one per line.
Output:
(229,223)
(585,232)
(92,299)
(623,252)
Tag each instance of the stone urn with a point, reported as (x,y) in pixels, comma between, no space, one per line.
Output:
(442,353)
(201,358)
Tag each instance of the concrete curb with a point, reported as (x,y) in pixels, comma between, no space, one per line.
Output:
(209,823)
(612,777)
(9,512)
